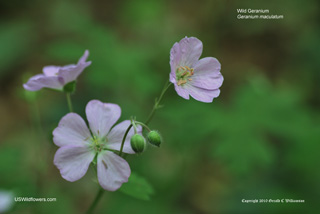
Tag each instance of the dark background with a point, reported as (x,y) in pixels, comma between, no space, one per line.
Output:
(258,140)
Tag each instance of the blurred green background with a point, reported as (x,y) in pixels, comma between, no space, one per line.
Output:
(258,140)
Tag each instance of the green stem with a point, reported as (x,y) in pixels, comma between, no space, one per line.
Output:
(158,100)
(69,102)
(144,125)
(134,125)
(124,139)
(96,200)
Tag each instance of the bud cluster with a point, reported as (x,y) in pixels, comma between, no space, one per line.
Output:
(138,142)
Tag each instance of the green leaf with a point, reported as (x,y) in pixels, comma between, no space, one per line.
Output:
(137,187)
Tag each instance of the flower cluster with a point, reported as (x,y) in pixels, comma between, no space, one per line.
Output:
(101,143)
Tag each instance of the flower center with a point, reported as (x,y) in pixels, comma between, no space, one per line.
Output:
(98,143)
(183,74)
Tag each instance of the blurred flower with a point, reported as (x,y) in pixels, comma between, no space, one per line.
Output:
(199,78)
(56,77)
(6,200)
(78,148)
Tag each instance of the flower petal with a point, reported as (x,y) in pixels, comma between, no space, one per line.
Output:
(113,170)
(202,95)
(40,81)
(73,161)
(102,116)
(51,70)
(182,92)
(207,81)
(84,57)
(115,137)
(208,65)
(175,56)
(191,50)
(207,74)
(70,73)
(71,131)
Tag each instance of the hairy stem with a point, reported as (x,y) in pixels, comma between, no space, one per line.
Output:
(157,103)
(143,125)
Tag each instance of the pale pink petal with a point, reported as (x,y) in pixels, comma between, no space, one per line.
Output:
(202,95)
(172,77)
(191,50)
(175,57)
(84,57)
(73,161)
(71,73)
(102,116)
(40,81)
(182,91)
(207,74)
(51,70)
(115,137)
(207,81)
(209,66)
(113,170)
(71,131)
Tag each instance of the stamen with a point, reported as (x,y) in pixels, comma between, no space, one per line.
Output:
(187,68)
(184,73)
(180,82)
(183,68)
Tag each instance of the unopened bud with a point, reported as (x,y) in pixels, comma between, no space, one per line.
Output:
(138,143)
(154,138)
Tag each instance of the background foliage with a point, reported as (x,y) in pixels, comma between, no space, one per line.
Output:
(259,139)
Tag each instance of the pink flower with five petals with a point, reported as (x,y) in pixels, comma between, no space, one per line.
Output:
(79,146)
(199,78)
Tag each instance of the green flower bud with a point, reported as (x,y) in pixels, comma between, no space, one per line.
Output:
(138,143)
(154,138)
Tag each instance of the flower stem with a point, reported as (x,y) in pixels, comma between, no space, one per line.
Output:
(96,200)
(143,125)
(124,139)
(69,102)
(157,102)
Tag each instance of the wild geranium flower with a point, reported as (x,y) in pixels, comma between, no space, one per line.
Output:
(78,147)
(56,77)
(199,78)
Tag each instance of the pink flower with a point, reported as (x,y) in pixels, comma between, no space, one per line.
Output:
(56,77)
(199,78)
(78,147)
